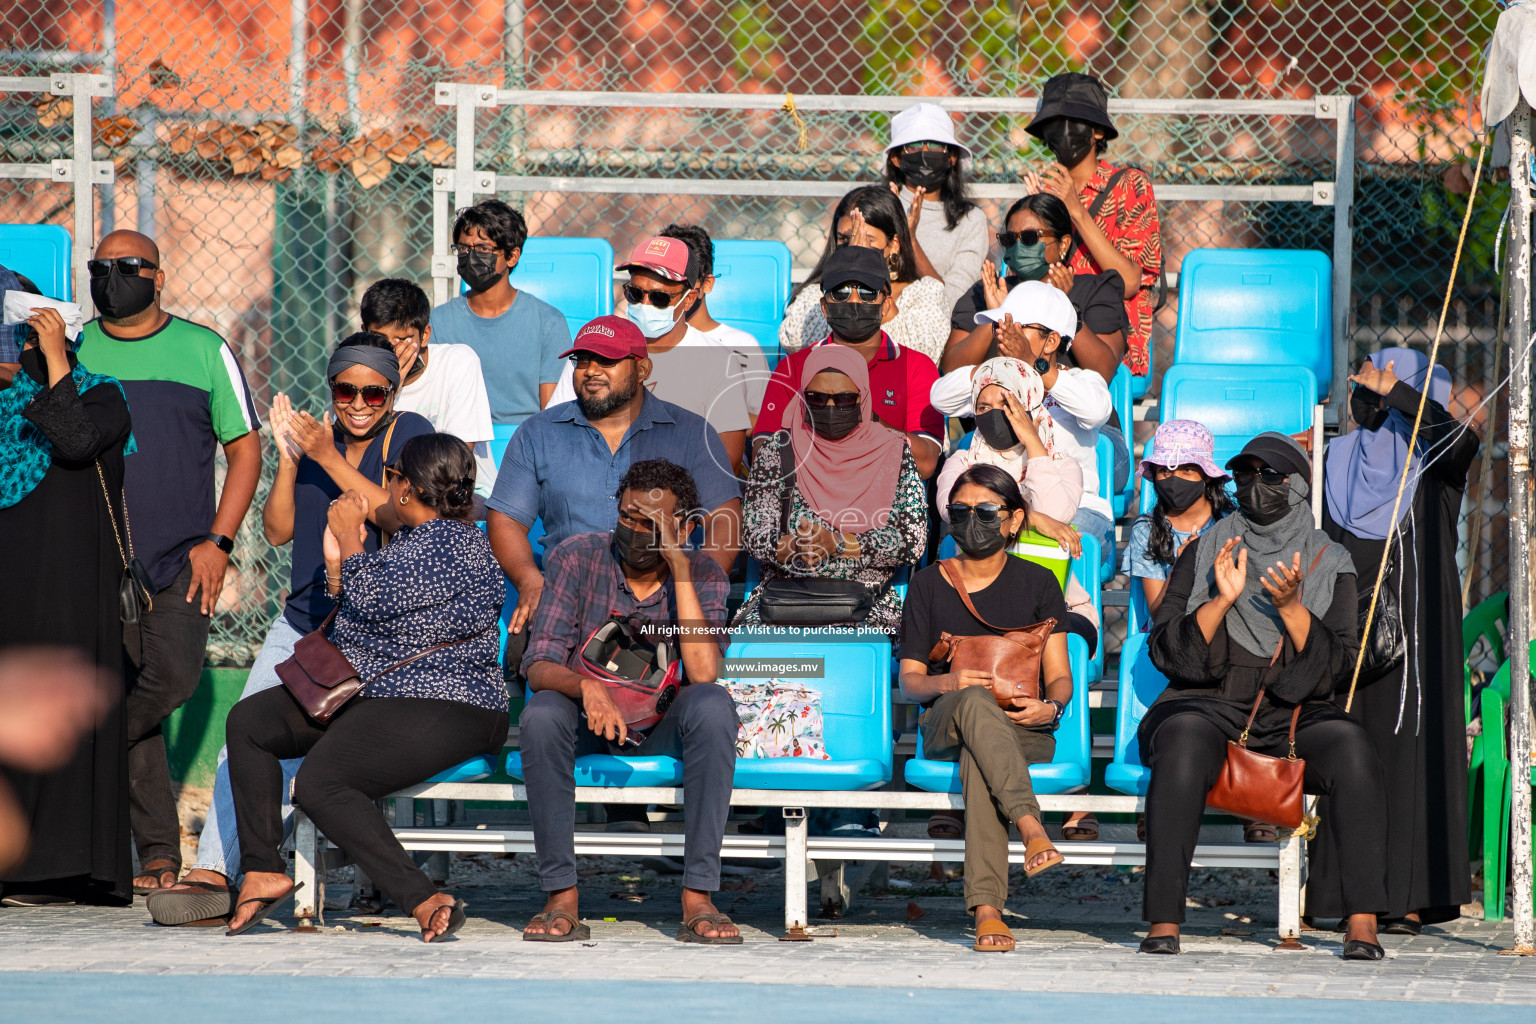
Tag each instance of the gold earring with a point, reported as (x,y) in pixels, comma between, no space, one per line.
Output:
(893,263)
(404,498)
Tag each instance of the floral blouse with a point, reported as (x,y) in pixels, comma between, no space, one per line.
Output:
(882,551)
(433,584)
(921,322)
(1129,218)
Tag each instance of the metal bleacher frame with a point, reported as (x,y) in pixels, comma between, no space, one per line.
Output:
(79,169)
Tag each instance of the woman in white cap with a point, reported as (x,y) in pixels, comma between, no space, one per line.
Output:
(926,167)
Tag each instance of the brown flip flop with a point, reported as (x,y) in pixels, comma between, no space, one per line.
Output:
(578,933)
(990,928)
(685,932)
(1082,832)
(946,825)
(1036,846)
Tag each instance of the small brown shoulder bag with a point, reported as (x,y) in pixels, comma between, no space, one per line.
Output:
(1012,659)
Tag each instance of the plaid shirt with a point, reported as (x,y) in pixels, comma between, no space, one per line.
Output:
(1129,218)
(584,584)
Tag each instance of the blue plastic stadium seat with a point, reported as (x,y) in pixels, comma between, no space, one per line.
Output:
(39,252)
(1140,683)
(1068,772)
(1122,396)
(1082,571)
(501,436)
(1246,306)
(752,289)
(855,708)
(575,275)
(1236,402)
(615,772)
(1104,458)
(473,770)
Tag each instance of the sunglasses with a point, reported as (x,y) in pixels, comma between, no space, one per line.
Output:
(580,359)
(660,300)
(390,473)
(989,514)
(841,399)
(1028,237)
(374,395)
(1265,475)
(846,292)
(128,266)
(925,147)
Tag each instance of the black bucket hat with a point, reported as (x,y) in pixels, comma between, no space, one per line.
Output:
(1078,96)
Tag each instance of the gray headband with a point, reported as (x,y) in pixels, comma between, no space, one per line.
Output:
(381,359)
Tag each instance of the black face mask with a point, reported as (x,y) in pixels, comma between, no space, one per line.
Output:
(478,269)
(1263,503)
(1367,411)
(833,422)
(855,321)
(1176,494)
(636,550)
(994,428)
(1070,140)
(119,297)
(979,540)
(924,170)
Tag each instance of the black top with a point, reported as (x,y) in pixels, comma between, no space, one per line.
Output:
(1221,679)
(1098,298)
(1023,594)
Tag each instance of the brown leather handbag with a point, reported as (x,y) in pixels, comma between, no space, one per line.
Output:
(1013,659)
(321,678)
(1257,786)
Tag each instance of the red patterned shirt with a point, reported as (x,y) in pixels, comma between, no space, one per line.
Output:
(1129,218)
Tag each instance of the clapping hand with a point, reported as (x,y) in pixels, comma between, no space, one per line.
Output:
(281,417)
(313,437)
(1231,573)
(1061,276)
(1012,341)
(348,517)
(1056,180)
(1283,584)
(860,233)
(992,287)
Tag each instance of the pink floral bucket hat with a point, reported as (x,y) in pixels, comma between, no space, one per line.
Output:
(1183,443)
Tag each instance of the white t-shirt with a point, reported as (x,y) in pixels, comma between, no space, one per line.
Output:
(450,393)
(1080,405)
(720,375)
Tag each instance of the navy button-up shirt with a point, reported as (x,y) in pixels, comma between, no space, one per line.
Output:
(558,467)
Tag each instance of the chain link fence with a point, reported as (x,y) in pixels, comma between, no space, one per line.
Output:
(282,153)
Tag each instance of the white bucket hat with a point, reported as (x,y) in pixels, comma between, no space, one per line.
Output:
(925,122)
(1035,302)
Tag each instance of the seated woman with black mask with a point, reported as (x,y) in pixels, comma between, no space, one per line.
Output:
(857,509)
(964,722)
(1259,619)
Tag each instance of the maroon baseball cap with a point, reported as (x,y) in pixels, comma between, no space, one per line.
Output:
(668,258)
(612,337)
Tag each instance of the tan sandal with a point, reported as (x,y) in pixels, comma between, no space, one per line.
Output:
(1037,846)
(991,928)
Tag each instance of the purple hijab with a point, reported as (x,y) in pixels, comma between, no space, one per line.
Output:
(1363,467)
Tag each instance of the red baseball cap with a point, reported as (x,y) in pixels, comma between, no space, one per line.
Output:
(668,258)
(612,337)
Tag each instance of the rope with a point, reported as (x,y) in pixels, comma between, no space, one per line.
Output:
(803,142)
(1413,438)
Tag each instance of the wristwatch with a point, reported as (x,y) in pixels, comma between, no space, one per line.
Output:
(1060,709)
(221,542)
(840,544)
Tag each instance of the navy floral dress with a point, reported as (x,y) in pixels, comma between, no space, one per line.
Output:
(433,584)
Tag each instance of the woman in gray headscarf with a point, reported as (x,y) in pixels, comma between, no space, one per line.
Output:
(1262,601)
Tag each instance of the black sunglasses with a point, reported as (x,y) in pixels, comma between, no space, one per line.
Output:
(988,514)
(660,300)
(846,292)
(841,399)
(580,359)
(1028,237)
(374,395)
(1266,475)
(128,266)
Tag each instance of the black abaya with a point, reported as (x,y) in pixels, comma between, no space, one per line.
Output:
(1416,714)
(61,583)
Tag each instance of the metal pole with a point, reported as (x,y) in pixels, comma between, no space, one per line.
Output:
(1520,525)
(85,192)
(298,58)
(109,68)
(351,63)
(1343,251)
(514,41)
(145,175)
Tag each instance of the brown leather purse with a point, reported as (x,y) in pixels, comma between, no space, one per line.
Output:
(1013,659)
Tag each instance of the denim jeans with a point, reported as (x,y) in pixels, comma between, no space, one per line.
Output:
(1096,524)
(218,848)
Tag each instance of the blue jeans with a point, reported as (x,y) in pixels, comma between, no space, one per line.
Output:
(218,848)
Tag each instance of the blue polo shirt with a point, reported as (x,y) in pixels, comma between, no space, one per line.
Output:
(558,467)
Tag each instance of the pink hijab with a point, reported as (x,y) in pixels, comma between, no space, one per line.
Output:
(850,482)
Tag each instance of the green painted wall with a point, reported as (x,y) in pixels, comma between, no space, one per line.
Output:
(194,734)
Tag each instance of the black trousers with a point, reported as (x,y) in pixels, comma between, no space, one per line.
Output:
(371,749)
(1186,754)
(165,663)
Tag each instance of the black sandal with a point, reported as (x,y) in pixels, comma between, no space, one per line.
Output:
(206,902)
(267,904)
(159,867)
(1082,832)
(578,933)
(685,932)
(456,919)
(1359,949)
(1166,944)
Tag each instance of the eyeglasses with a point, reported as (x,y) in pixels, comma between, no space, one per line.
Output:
(580,359)
(374,395)
(841,399)
(128,266)
(660,300)
(988,514)
(846,292)
(484,250)
(1028,237)
(393,474)
(1266,475)
(925,147)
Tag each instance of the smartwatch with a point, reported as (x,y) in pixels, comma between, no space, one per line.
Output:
(1060,710)
(221,542)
